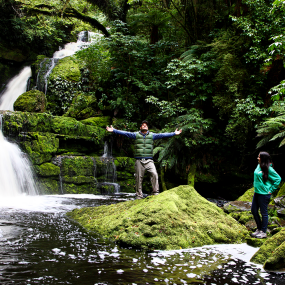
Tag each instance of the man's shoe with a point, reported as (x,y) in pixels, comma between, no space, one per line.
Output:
(255,233)
(261,235)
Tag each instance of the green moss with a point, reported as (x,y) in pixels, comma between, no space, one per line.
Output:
(47,169)
(79,179)
(277,259)
(77,166)
(177,218)
(242,217)
(48,186)
(281,191)
(67,69)
(269,246)
(255,242)
(247,196)
(31,101)
(102,121)
(70,188)
(82,107)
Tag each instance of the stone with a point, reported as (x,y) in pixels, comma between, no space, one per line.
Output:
(47,169)
(176,218)
(82,107)
(247,196)
(269,249)
(237,206)
(31,101)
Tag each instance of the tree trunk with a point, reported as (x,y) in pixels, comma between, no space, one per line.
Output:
(163,185)
(191,175)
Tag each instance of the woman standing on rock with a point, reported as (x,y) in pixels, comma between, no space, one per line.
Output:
(266,181)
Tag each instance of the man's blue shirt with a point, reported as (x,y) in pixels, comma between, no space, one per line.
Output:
(132,135)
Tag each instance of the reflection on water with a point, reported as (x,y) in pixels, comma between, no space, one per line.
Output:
(39,245)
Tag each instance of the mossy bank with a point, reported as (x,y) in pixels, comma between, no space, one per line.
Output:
(177,218)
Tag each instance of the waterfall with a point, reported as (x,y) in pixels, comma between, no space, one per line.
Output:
(16,175)
(109,183)
(15,87)
(47,65)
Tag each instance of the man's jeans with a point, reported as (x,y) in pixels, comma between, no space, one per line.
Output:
(140,167)
(261,202)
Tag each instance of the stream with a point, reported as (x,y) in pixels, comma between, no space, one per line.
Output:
(40,245)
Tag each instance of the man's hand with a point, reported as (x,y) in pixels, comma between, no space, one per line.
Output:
(110,129)
(178,132)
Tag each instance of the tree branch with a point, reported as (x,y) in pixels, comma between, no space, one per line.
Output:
(67,13)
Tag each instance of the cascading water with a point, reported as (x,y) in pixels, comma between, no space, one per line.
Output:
(16,175)
(15,87)
(85,38)
(110,173)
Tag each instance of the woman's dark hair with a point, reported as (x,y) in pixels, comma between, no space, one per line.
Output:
(265,161)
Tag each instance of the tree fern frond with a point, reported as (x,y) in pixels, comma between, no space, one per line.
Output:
(282,142)
(279,135)
(263,142)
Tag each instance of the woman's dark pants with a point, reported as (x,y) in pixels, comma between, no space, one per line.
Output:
(261,202)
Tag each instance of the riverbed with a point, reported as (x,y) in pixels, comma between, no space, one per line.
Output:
(40,245)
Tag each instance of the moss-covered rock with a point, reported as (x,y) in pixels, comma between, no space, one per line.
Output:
(48,185)
(237,206)
(247,196)
(67,69)
(281,191)
(177,218)
(255,242)
(82,107)
(101,121)
(268,249)
(242,217)
(277,259)
(31,101)
(70,188)
(77,166)
(47,169)
(40,146)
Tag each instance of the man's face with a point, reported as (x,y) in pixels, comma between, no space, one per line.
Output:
(144,127)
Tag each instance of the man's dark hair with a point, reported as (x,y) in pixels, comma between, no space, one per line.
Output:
(145,122)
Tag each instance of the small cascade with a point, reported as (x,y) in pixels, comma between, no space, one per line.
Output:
(16,175)
(108,178)
(15,87)
(47,65)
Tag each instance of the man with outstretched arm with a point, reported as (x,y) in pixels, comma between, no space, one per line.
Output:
(144,154)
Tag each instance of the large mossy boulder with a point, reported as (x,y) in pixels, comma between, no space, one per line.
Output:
(67,69)
(64,82)
(272,253)
(82,107)
(177,218)
(247,196)
(31,101)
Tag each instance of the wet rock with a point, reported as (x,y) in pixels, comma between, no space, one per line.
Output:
(177,218)
(280,201)
(237,206)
